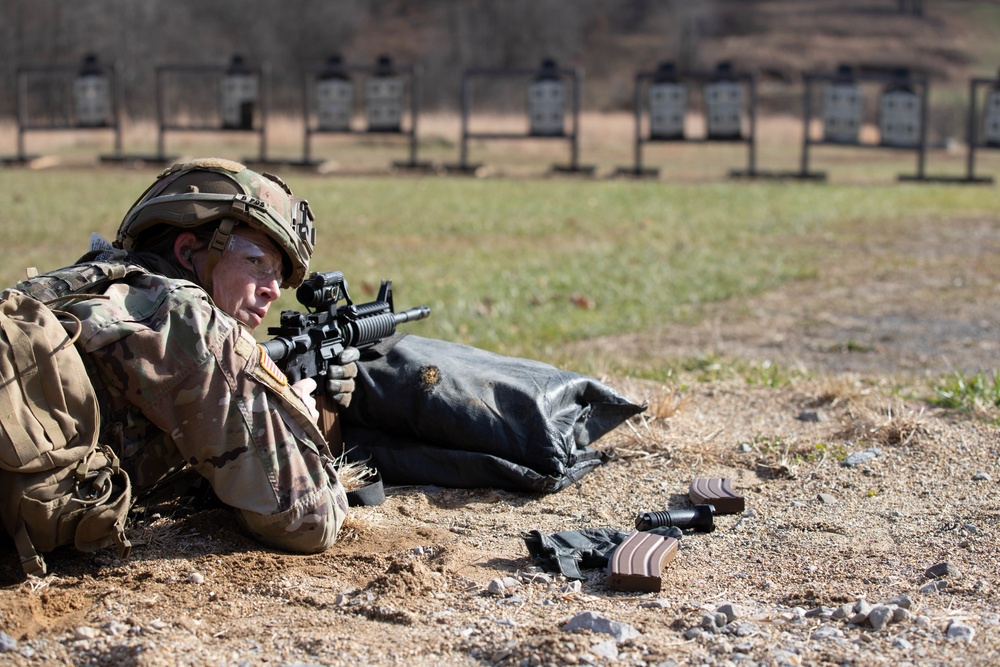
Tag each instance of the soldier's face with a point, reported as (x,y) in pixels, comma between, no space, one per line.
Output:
(248,277)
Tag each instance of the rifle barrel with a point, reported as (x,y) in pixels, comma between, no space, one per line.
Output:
(413,314)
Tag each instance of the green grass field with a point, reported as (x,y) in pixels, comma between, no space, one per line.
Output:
(524,266)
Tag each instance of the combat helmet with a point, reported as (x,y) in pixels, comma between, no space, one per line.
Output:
(206,190)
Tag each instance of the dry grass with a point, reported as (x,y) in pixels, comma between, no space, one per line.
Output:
(885,424)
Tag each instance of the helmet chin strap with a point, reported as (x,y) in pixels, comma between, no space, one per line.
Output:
(217,246)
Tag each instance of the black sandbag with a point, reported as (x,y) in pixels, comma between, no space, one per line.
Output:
(427,411)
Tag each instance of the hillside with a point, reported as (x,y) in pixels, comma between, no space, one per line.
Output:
(611,40)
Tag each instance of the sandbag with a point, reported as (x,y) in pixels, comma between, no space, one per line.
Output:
(427,411)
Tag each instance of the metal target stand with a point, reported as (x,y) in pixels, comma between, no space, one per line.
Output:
(902,121)
(329,104)
(546,101)
(93,102)
(728,97)
(244,92)
(991,125)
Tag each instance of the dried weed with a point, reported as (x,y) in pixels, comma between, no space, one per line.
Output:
(895,425)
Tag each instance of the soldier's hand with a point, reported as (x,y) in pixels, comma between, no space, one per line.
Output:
(340,377)
(304,389)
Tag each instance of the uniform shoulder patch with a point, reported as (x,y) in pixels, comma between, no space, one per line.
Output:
(271,368)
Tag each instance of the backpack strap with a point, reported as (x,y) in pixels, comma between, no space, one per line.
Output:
(31,561)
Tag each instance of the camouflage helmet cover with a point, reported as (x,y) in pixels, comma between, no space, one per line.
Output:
(195,193)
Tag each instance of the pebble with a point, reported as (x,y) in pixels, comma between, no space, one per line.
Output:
(900,615)
(589,620)
(196,578)
(960,631)
(713,622)
(607,650)
(535,578)
(730,611)
(7,643)
(820,612)
(857,458)
(659,603)
(746,629)
(571,587)
(811,416)
(942,570)
(933,587)
(861,611)
(900,601)
(901,642)
(827,499)
(981,477)
(880,616)
(502,586)
(512,599)
(825,632)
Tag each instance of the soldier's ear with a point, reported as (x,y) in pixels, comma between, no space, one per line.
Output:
(184,247)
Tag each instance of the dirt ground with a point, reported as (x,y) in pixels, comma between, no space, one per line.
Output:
(442,576)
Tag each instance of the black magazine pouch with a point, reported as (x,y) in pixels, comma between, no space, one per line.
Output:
(427,411)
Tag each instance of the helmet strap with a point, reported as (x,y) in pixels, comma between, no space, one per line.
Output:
(217,246)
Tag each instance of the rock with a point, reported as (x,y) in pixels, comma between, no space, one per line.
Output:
(901,642)
(857,458)
(731,612)
(843,611)
(861,611)
(933,587)
(115,628)
(900,601)
(960,631)
(659,603)
(571,587)
(942,570)
(825,632)
(900,615)
(196,578)
(746,629)
(512,599)
(811,416)
(827,499)
(820,612)
(7,643)
(535,578)
(880,616)
(981,477)
(594,622)
(710,622)
(606,650)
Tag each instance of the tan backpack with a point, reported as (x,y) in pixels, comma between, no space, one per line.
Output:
(59,485)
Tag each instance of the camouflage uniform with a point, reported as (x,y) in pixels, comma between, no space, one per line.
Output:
(181,382)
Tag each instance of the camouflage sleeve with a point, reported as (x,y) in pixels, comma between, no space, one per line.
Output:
(196,374)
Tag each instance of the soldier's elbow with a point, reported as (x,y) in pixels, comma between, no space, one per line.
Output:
(299,530)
